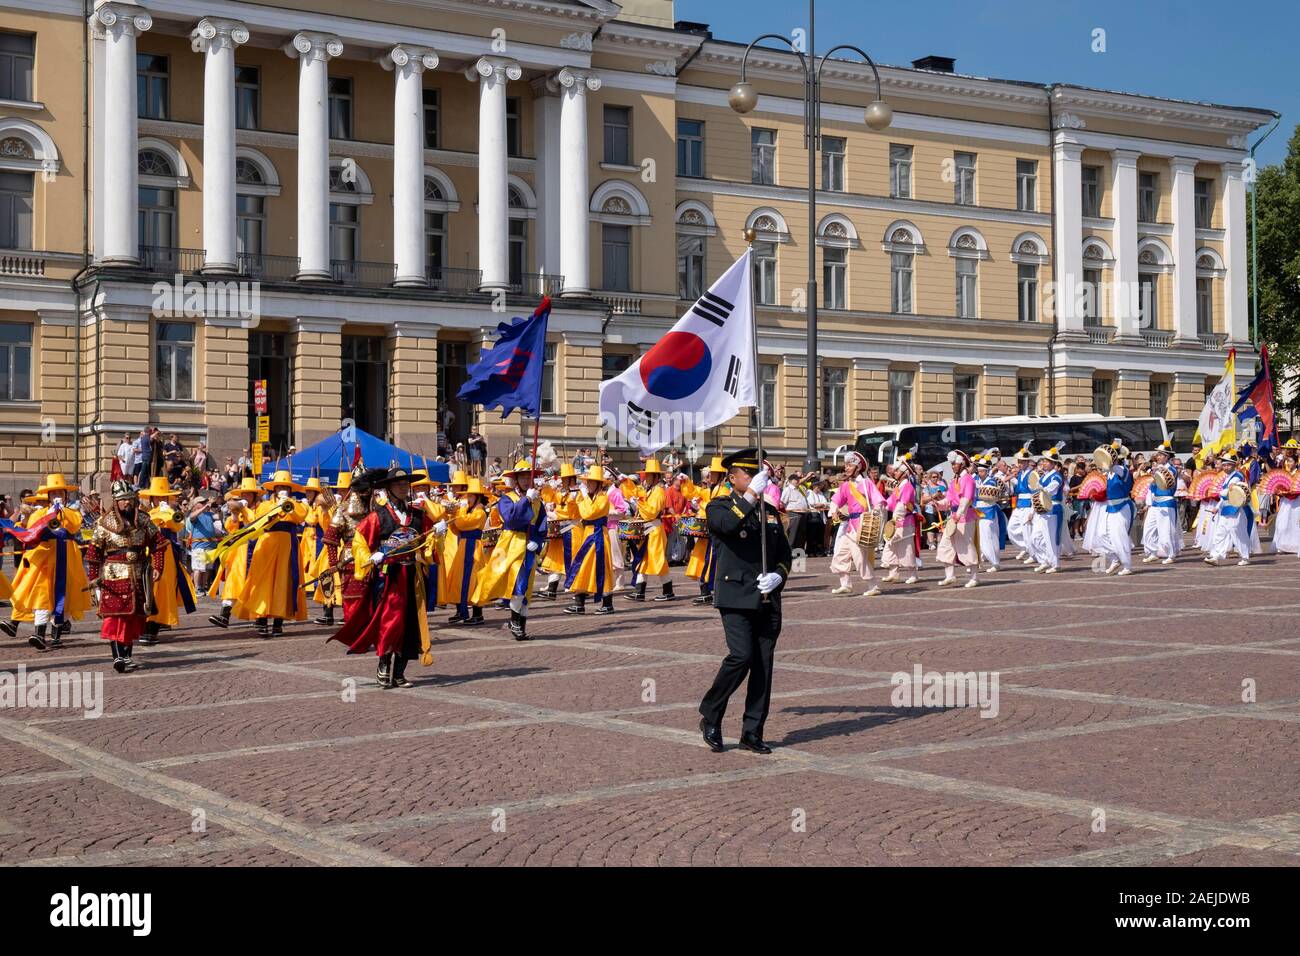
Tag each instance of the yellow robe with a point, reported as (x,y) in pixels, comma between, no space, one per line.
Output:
(654,561)
(584,578)
(34,583)
(465,543)
(502,568)
(229,582)
(695,567)
(166,590)
(566,509)
(269,590)
(317,559)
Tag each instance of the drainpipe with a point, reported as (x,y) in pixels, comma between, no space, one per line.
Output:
(1056,258)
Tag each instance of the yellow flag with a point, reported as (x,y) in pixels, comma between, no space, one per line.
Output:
(1218,426)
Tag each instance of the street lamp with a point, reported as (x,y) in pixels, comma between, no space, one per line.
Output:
(878,115)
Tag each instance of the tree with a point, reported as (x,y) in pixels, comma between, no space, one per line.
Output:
(1277,198)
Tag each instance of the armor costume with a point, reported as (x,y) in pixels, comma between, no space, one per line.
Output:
(345,588)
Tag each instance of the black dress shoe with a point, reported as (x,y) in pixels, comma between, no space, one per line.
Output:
(712,736)
(755,744)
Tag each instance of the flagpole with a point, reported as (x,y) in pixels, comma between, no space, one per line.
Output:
(750,236)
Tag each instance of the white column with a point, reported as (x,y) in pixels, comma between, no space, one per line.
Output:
(97,178)
(1235,253)
(1126,302)
(1184,247)
(408,64)
(1068,240)
(546,139)
(575,196)
(313,51)
(217,40)
(491,73)
(120,23)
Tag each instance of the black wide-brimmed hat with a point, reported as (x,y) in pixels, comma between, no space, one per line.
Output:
(746,458)
(397,473)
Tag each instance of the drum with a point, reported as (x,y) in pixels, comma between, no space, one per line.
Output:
(692,526)
(989,493)
(870,527)
(1238,494)
(891,528)
(1165,478)
(1042,501)
(490,537)
(1102,459)
(1035,482)
(631,529)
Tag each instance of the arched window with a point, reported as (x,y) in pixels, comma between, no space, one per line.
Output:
(695,223)
(518,236)
(157,210)
(250,214)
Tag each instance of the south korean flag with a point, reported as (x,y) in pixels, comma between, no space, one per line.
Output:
(698,376)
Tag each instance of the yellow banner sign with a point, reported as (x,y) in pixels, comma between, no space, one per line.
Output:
(263,428)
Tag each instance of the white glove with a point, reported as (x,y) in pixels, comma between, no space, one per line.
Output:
(440,528)
(759,482)
(533,545)
(377,557)
(99,596)
(531,494)
(767,583)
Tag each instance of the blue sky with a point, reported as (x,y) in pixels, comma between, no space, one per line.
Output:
(1239,54)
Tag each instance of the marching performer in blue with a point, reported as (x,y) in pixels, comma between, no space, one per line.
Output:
(510,570)
(1115,542)
(993,522)
(1162,532)
(1048,523)
(1234,523)
(1022,517)
(592,568)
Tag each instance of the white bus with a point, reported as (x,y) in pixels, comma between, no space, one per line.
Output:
(1075,434)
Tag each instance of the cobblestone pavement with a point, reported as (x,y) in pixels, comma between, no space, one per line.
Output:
(1146,720)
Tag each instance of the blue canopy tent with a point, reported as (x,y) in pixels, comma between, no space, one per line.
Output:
(328,457)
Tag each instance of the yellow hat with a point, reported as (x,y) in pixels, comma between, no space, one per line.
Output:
(158,488)
(1291,443)
(520,466)
(459,478)
(473,486)
(344,482)
(282,479)
(715,466)
(248,486)
(596,473)
(313,484)
(38,498)
(566,470)
(651,467)
(55,482)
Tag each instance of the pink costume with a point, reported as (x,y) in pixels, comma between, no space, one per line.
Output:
(960,545)
(900,550)
(848,555)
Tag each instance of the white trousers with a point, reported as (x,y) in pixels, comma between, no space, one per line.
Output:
(989,542)
(1161,534)
(1019,528)
(1043,540)
(1114,542)
(1286,526)
(1230,535)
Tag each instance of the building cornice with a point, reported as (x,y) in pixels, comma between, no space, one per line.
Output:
(664,49)
(1232,122)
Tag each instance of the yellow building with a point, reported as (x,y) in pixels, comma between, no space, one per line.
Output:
(345,198)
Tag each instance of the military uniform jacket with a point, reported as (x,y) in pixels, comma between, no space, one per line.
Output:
(734,523)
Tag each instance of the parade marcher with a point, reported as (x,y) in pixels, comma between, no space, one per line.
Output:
(344,588)
(993,521)
(562,515)
(958,543)
(617,552)
(49,587)
(901,548)
(463,565)
(1020,524)
(320,504)
(1162,533)
(392,548)
(855,496)
(124,557)
(1047,526)
(427,496)
(650,563)
(172,587)
(1207,512)
(704,556)
(510,569)
(748,598)
(1232,525)
(231,578)
(1286,519)
(454,499)
(277,574)
(592,570)
(1115,543)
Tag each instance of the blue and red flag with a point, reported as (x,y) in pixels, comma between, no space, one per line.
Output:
(1258,395)
(509,375)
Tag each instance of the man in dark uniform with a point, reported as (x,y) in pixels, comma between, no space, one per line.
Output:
(748,597)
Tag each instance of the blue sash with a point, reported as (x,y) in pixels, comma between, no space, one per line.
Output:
(182,582)
(595,541)
(469,541)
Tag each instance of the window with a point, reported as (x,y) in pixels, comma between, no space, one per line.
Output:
(514,139)
(690,267)
(250,212)
(1148,305)
(835,268)
(765,273)
(430,100)
(340,107)
(1148,196)
(767,386)
(157,219)
(833,163)
(1092,297)
(364,396)
(967,288)
(1159,404)
(1204,203)
(900,171)
(15,362)
(1101,392)
(518,251)
(173,373)
(1091,176)
(435,245)
(248,99)
(1027,396)
(900,284)
(344,229)
(613,364)
(834,383)
(151,86)
(1026,185)
(763,156)
(16,209)
(1027,293)
(964,390)
(616,256)
(17,53)
(964,186)
(548,379)
(1204,305)
(690,148)
(900,397)
(618,135)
